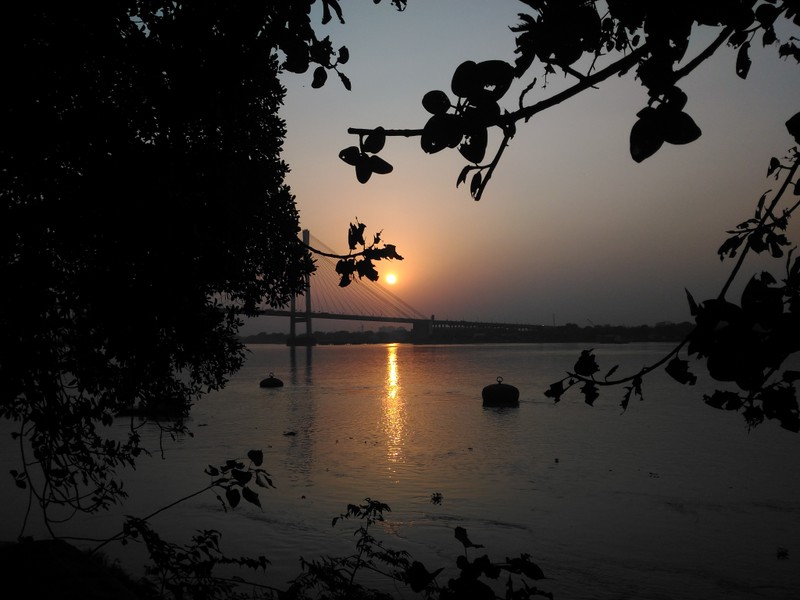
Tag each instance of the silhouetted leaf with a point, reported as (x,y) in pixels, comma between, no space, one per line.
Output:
(493,79)
(257,456)
(774,165)
(789,49)
(363,169)
(679,128)
(590,393)
(555,391)
(251,496)
(475,185)
(326,12)
(743,61)
(676,99)
(679,370)
(730,246)
(611,371)
(724,399)
(463,81)
(345,81)
(350,155)
(263,480)
(775,242)
(320,77)
(241,477)
(375,141)
(626,398)
(586,365)
(462,177)
(524,565)
(461,536)
(355,237)
(19,479)
(793,126)
(297,54)
(390,251)
(656,73)
(379,166)
(646,138)
(766,15)
(344,55)
(482,113)
(418,576)
(436,102)
(346,266)
(365,268)
(637,387)
(440,132)
(474,146)
(233,497)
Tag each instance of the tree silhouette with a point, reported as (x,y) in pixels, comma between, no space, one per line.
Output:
(144,210)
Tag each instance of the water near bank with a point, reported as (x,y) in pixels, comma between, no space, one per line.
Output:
(671,499)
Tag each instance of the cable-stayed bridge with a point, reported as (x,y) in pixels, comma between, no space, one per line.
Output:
(364,300)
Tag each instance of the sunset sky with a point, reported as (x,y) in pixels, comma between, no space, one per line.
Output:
(570,229)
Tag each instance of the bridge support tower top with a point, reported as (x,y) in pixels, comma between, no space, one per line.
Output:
(305,316)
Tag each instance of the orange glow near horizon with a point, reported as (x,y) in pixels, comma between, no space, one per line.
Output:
(570,227)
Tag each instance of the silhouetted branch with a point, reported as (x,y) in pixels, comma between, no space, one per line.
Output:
(767,214)
(707,53)
(641,373)
(492,166)
(387,132)
(622,65)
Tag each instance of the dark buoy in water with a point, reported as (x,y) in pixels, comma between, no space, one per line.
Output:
(500,394)
(271,381)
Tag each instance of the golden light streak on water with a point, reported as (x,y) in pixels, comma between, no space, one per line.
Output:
(394,410)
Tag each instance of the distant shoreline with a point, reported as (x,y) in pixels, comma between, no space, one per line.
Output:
(569,333)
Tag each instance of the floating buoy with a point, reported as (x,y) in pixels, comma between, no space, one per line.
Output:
(500,394)
(271,382)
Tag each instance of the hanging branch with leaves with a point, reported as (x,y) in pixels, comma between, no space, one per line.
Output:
(360,261)
(652,39)
(748,343)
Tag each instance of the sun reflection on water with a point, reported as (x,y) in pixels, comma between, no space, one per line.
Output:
(394,410)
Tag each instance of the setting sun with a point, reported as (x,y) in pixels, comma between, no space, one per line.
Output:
(391,279)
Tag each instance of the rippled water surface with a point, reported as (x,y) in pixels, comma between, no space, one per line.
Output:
(671,499)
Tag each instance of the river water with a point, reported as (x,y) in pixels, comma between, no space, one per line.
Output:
(672,499)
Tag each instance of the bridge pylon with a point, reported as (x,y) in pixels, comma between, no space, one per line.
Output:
(295,316)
